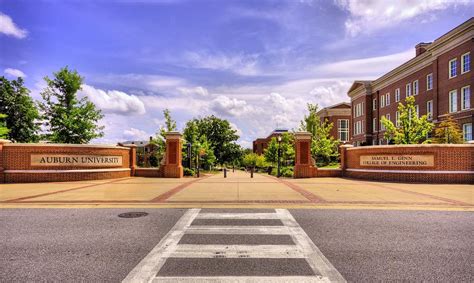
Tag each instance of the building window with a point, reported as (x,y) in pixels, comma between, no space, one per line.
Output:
(343,130)
(374,104)
(362,109)
(429,82)
(429,109)
(382,101)
(408,90)
(465,63)
(417,110)
(382,127)
(452,68)
(387,99)
(397,119)
(465,97)
(374,124)
(415,87)
(467,131)
(397,95)
(388,117)
(453,101)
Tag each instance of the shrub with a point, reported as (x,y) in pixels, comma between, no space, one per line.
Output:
(188,172)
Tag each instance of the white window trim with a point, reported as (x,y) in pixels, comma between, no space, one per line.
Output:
(464,126)
(429,113)
(382,101)
(417,110)
(397,95)
(346,129)
(462,98)
(374,124)
(427,80)
(455,91)
(449,68)
(387,99)
(397,119)
(408,90)
(374,104)
(416,89)
(462,63)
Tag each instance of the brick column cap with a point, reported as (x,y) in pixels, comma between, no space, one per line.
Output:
(347,145)
(2,141)
(302,135)
(173,135)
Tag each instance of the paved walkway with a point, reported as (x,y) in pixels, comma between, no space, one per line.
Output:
(239,190)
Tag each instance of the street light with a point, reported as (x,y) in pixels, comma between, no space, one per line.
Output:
(279,154)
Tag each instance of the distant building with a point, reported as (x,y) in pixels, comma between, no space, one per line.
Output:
(340,116)
(439,77)
(259,145)
(142,146)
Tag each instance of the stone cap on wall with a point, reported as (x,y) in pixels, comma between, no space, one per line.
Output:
(303,135)
(410,146)
(64,145)
(173,135)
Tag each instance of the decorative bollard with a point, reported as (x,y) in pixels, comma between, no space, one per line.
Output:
(225,172)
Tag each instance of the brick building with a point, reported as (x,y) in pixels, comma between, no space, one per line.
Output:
(340,116)
(260,144)
(439,77)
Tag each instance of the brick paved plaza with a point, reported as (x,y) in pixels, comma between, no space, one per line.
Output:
(239,190)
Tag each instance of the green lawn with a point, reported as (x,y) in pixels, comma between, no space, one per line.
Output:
(331,166)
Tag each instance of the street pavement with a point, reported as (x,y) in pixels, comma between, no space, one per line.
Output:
(168,245)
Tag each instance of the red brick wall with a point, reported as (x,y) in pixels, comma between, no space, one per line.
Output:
(457,161)
(18,157)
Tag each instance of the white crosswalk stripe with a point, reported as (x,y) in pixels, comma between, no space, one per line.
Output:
(169,247)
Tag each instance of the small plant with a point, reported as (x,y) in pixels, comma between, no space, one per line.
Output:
(188,172)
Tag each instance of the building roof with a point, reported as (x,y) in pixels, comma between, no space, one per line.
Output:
(340,109)
(463,31)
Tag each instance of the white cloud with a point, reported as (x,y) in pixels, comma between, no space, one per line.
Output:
(232,107)
(8,27)
(365,67)
(194,91)
(135,134)
(114,101)
(14,73)
(366,16)
(245,65)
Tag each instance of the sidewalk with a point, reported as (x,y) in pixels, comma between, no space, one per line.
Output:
(239,190)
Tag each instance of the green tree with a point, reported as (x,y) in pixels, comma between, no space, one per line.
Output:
(253,160)
(20,110)
(287,149)
(324,148)
(448,131)
(160,139)
(68,118)
(3,129)
(412,129)
(218,133)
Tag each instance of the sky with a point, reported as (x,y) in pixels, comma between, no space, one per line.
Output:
(255,63)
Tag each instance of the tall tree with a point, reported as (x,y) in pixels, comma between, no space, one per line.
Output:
(324,148)
(218,133)
(412,129)
(20,110)
(68,118)
(287,149)
(448,131)
(160,139)
(3,129)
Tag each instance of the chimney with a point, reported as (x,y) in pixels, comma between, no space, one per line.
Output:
(421,47)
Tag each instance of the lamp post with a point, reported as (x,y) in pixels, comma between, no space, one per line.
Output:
(279,155)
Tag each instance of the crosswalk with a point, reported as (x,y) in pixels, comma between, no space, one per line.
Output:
(235,247)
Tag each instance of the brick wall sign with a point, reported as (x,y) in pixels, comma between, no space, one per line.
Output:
(75,160)
(397,160)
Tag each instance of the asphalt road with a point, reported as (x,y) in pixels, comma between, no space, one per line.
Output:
(363,245)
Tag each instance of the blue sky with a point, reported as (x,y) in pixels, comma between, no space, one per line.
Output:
(255,63)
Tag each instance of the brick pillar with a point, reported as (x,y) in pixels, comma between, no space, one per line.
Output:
(303,164)
(173,167)
(133,159)
(344,157)
(2,166)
